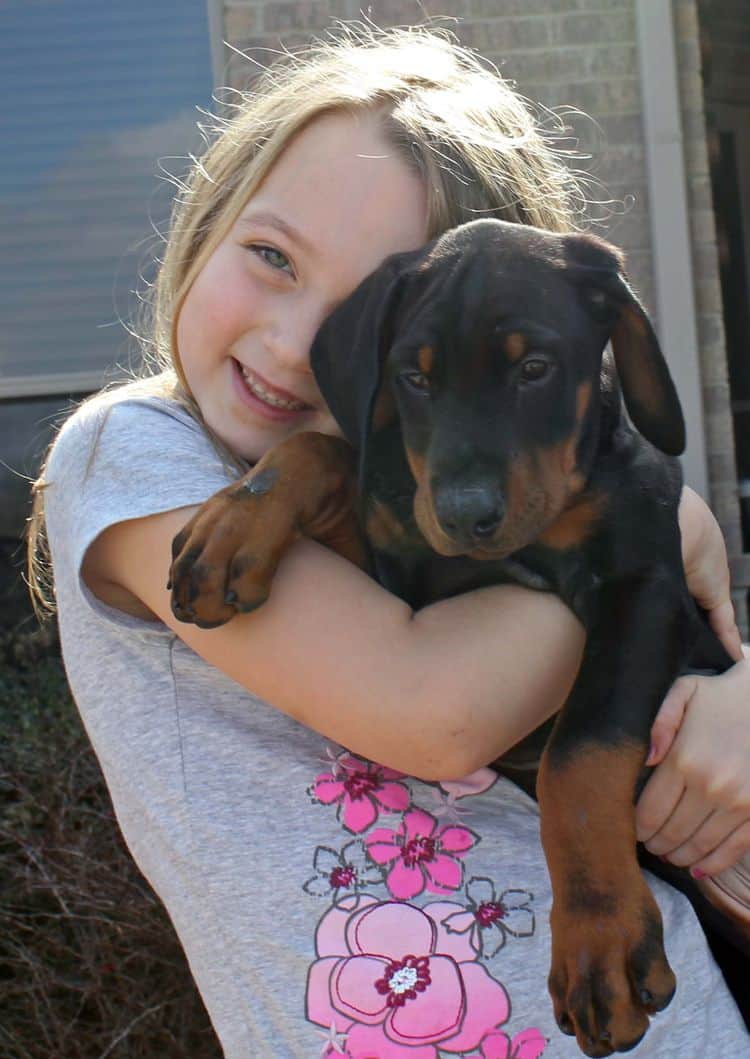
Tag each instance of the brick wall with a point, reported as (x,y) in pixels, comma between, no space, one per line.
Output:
(560,53)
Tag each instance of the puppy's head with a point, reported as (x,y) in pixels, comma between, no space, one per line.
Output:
(487,346)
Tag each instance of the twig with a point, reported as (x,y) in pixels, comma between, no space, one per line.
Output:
(128,1028)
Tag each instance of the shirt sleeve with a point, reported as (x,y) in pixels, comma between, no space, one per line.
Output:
(116,460)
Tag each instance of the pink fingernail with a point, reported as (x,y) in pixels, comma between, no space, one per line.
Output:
(697,873)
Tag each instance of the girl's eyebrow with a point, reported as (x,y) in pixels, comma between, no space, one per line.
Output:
(272,220)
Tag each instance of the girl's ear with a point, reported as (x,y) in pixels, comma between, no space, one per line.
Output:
(351,347)
(647,387)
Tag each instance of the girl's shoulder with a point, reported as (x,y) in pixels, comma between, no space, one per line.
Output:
(128,453)
(124,407)
(132,424)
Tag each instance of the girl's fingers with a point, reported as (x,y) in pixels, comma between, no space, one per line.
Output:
(669,718)
(688,817)
(733,854)
(710,836)
(657,802)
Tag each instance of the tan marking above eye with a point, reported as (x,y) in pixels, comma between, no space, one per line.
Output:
(515,345)
(425,359)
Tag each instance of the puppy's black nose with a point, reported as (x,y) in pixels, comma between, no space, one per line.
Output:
(485,527)
(469,514)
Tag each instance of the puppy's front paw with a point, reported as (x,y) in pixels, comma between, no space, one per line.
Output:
(224,559)
(609,970)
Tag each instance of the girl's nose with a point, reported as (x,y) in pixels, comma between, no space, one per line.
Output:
(290,338)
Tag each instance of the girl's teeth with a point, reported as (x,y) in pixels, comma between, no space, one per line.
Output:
(271,398)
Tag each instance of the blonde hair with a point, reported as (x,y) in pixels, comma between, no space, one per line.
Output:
(450,116)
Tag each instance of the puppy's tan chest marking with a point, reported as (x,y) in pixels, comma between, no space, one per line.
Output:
(576,524)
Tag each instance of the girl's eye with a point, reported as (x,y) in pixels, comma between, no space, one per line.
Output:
(415,380)
(534,369)
(272,257)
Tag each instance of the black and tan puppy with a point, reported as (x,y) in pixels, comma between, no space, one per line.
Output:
(470,379)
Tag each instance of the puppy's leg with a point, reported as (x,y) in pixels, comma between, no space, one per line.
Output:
(225,557)
(609,972)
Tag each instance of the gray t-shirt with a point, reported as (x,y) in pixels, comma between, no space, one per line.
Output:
(327,906)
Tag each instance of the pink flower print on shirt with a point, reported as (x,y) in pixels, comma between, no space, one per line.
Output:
(362,790)
(347,871)
(384,979)
(488,919)
(528,1044)
(446,794)
(422,856)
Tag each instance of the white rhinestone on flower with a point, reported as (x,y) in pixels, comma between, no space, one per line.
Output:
(403,979)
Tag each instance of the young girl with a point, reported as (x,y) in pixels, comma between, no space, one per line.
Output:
(290,783)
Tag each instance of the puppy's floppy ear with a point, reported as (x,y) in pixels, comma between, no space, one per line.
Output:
(350,349)
(650,395)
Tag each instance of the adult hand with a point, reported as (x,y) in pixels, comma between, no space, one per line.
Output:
(695,809)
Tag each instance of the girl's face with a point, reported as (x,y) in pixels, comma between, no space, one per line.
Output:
(336,203)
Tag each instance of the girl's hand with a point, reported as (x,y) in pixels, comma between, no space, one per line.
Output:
(695,809)
(704,556)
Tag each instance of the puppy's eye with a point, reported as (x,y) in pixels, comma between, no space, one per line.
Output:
(416,381)
(534,369)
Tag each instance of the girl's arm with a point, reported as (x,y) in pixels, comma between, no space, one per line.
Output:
(435,693)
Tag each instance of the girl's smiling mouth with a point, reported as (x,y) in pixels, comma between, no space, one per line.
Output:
(261,396)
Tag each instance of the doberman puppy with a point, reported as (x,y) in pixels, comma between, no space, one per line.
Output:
(471,382)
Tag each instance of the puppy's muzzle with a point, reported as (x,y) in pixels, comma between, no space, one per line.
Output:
(469,514)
